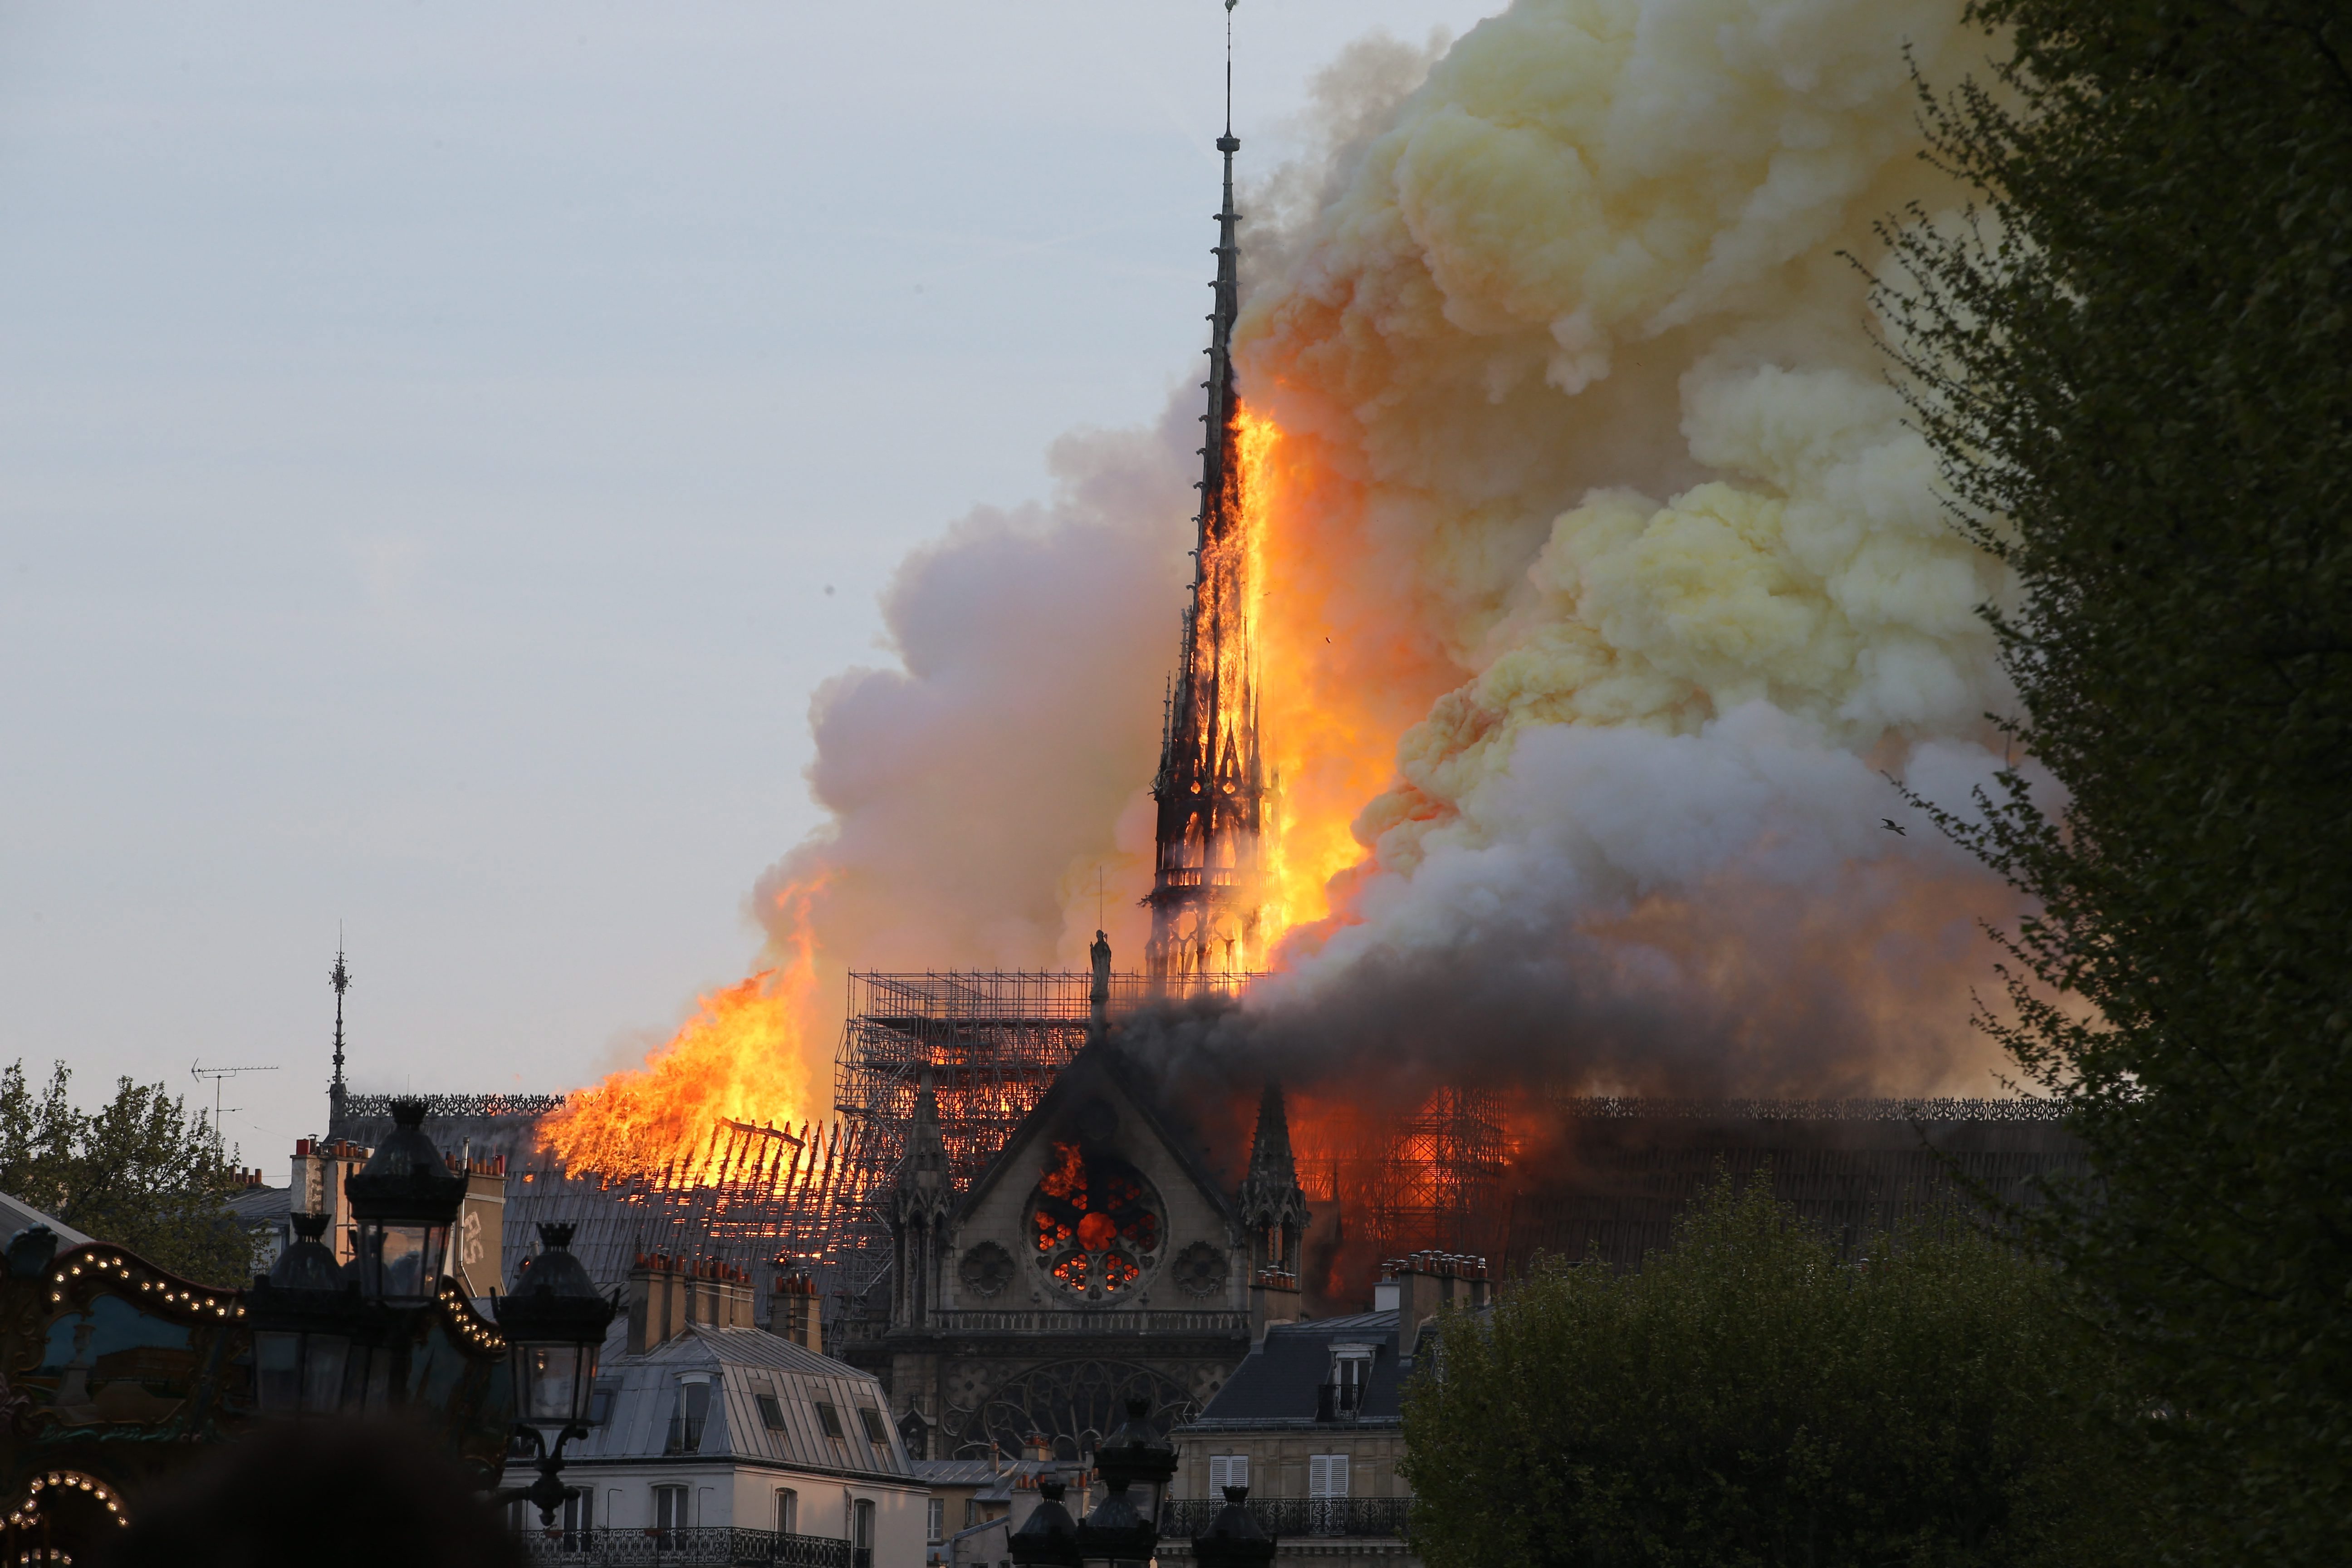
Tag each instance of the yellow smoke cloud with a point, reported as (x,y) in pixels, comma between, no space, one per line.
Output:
(1579,343)
(1596,260)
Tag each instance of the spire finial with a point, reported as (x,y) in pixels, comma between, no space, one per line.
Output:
(340,978)
(1228,65)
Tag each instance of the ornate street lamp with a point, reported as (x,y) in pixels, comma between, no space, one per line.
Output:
(554,1322)
(1233,1539)
(406,1199)
(1049,1537)
(1115,1534)
(1137,1456)
(1136,1463)
(302,1316)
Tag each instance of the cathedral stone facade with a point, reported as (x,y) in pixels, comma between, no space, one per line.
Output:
(1095,1258)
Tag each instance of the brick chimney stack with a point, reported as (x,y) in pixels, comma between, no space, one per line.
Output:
(1419,1286)
(670,1295)
(793,1308)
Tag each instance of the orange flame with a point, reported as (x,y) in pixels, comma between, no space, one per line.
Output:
(741,1058)
(1338,687)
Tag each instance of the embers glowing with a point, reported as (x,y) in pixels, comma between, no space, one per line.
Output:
(1093,1222)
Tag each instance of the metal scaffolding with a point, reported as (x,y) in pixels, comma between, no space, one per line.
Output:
(1435,1180)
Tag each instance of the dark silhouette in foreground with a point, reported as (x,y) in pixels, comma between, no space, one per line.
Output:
(363,1496)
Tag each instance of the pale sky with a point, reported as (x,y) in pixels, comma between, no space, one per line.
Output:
(441,447)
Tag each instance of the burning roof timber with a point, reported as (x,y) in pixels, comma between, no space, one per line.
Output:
(1453,1174)
(749,1196)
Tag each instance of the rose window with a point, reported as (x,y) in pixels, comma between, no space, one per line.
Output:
(1094,1223)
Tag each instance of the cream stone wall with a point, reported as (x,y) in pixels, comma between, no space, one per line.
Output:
(1278,1460)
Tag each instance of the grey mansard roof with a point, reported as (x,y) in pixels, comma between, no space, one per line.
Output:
(742,1364)
(16,1215)
(1277,1384)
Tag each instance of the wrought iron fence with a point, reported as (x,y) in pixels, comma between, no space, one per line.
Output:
(2023,1108)
(713,1545)
(444,1105)
(1293,1516)
(1155,1321)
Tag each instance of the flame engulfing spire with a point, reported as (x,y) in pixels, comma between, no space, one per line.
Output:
(1208,891)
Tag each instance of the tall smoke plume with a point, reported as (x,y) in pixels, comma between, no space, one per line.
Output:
(1605,584)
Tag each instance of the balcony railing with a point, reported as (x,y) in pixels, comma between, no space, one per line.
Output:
(1293,1516)
(716,1546)
(1092,1323)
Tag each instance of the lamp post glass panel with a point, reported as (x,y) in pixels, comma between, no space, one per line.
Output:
(302,1322)
(553,1382)
(555,1321)
(404,1199)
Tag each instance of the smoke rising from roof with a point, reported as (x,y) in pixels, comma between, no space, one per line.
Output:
(1625,557)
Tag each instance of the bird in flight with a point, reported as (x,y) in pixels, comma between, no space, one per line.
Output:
(1895,826)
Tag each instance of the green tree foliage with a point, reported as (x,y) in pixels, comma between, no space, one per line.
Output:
(2135,364)
(140,1172)
(1746,1399)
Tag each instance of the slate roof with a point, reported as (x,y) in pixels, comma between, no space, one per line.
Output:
(995,1484)
(955,1472)
(253,1204)
(15,1214)
(743,1364)
(1277,1382)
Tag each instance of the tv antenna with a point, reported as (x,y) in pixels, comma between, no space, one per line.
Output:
(197,1070)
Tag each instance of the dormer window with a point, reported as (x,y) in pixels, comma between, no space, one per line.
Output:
(689,1413)
(828,1415)
(1351,1375)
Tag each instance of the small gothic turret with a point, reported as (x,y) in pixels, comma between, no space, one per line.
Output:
(1273,1204)
(921,1203)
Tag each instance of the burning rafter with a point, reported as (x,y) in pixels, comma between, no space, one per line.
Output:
(750,1196)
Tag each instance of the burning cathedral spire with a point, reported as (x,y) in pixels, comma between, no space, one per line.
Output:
(1208,884)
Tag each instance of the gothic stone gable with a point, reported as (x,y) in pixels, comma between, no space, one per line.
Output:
(1097,1205)
(1095,1258)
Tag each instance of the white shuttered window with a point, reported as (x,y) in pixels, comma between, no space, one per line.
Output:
(1227,1470)
(1327,1474)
